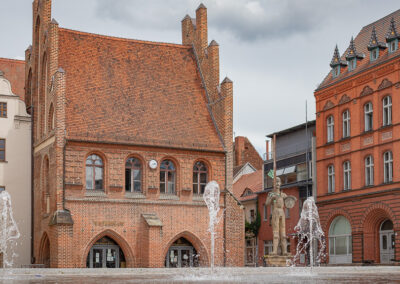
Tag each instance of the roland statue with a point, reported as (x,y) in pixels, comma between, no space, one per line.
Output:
(279,200)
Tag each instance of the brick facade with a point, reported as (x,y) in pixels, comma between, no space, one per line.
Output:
(120,98)
(245,152)
(365,206)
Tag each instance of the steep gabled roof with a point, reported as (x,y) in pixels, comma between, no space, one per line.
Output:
(14,71)
(361,41)
(132,91)
(251,181)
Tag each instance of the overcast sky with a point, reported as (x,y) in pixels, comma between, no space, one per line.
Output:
(275,51)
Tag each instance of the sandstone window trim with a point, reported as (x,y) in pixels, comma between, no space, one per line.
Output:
(368,116)
(2,150)
(387,167)
(200,177)
(94,173)
(369,170)
(346,175)
(330,125)
(3,109)
(167,177)
(133,175)
(331,179)
(387,111)
(346,123)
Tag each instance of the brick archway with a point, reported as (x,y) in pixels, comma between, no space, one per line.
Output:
(121,242)
(44,250)
(370,225)
(195,241)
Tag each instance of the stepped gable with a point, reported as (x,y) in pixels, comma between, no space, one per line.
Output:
(131,91)
(361,41)
(14,71)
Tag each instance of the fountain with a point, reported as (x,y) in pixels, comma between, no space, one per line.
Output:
(9,232)
(211,197)
(310,234)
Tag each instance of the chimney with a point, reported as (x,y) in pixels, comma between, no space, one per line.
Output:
(187,30)
(213,70)
(201,29)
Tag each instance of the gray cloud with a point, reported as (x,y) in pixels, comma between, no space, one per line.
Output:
(247,20)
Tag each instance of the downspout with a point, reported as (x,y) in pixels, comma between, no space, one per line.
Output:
(32,189)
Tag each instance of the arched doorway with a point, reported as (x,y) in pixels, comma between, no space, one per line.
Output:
(105,253)
(340,241)
(45,251)
(386,241)
(182,254)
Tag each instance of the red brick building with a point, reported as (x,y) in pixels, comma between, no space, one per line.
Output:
(358,147)
(126,135)
(14,71)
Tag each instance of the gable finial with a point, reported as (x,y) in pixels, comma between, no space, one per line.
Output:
(374,42)
(352,51)
(392,32)
(336,58)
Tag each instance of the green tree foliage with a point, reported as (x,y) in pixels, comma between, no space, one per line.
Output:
(254,226)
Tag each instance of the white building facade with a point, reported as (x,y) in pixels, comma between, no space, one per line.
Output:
(15,165)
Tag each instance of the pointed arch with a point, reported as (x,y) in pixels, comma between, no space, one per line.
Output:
(44,250)
(195,241)
(121,242)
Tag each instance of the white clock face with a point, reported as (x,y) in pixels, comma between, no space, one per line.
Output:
(153,164)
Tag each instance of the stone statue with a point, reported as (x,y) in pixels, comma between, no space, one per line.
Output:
(278,200)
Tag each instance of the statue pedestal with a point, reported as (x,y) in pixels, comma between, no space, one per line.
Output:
(278,260)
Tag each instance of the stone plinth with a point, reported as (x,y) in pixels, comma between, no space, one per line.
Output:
(277,260)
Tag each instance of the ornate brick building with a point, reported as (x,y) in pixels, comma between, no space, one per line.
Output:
(358,147)
(126,135)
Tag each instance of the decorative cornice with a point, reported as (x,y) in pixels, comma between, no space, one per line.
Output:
(366,91)
(344,99)
(328,105)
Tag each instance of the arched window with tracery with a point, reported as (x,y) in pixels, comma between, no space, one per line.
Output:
(200,177)
(133,175)
(167,177)
(94,173)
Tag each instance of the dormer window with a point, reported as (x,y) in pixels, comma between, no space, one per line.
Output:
(336,63)
(374,54)
(352,64)
(393,45)
(336,71)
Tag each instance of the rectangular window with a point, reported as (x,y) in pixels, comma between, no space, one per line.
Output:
(2,188)
(287,213)
(3,109)
(346,124)
(252,215)
(268,246)
(2,149)
(393,46)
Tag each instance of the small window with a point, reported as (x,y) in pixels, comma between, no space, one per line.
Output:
(2,149)
(352,64)
(346,175)
(133,175)
(3,109)
(336,71)
(374,54)
(94,173)
(167,177)
(200,178)
(252,215)
(2,188)
(368,116)
(369,171)
(330,128)
(393,45)
(331,179)
(387,111)
(346,124)
(387,167)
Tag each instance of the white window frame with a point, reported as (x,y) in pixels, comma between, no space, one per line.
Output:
(331,179)
(346,175)
(369,170)
(346,123)
(368,117)
(340,258)
(387,167)
(387,110)
(330,126)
